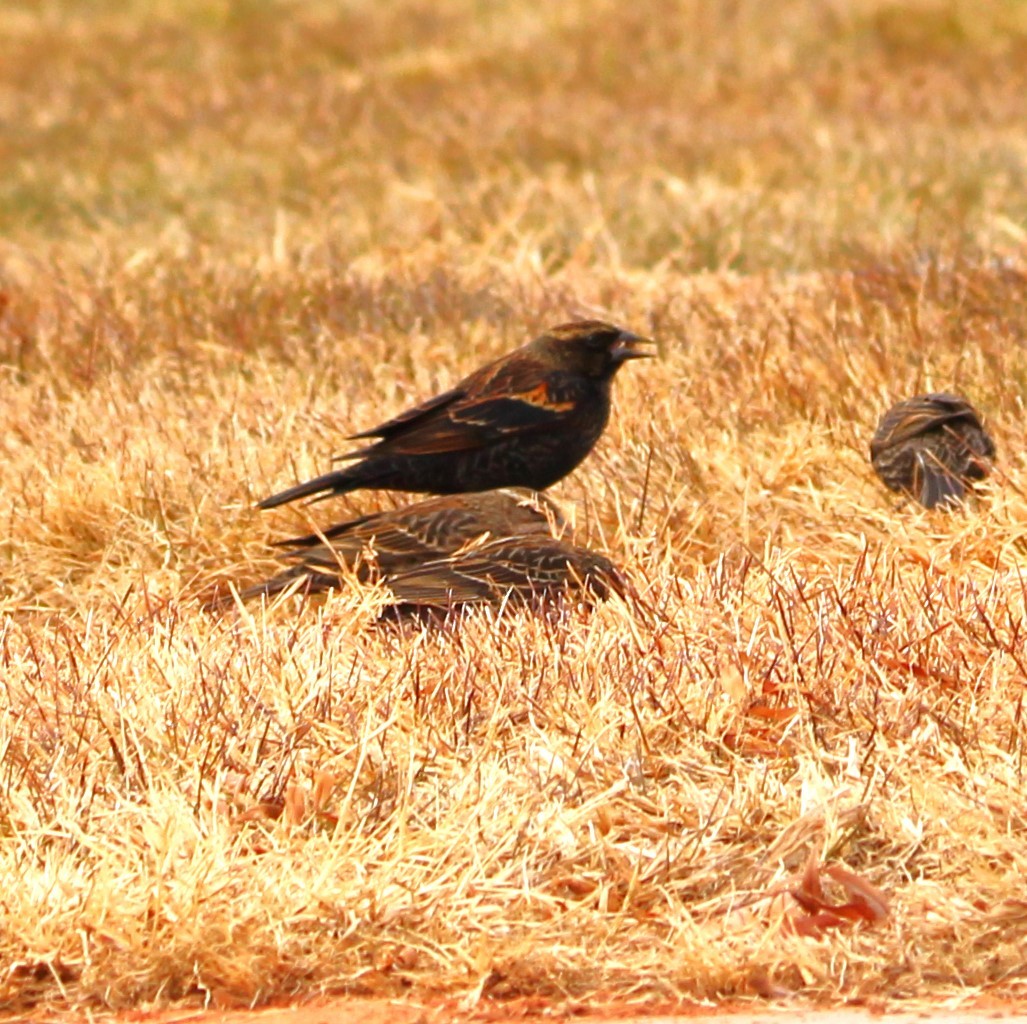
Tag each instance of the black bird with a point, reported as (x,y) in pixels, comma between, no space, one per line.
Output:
(389,543)
(931,447)
(525,420)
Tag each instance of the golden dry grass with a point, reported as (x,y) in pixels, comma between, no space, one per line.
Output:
(237,230)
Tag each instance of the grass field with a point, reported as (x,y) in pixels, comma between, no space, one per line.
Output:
(233,232)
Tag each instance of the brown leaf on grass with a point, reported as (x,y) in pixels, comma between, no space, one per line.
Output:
(321,789)
(761,733)
(810,892)
(772,714)
(818,913)
(264,810)
(574,885)
(917,670)
(813,925)
(861,892)
(749,743)
(295,804)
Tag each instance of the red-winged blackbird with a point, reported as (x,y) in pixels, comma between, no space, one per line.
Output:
(392,542)
(930,447)
(519,569)
(525,420)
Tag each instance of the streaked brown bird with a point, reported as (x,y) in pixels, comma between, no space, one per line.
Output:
(389,543)
(932,447)
(512,569)
(525,420)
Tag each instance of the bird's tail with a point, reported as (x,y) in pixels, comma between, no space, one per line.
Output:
(339,482)
(936,487)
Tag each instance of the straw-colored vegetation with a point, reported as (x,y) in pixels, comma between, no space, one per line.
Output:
(235,231)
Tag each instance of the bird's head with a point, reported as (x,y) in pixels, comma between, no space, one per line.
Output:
(591,347)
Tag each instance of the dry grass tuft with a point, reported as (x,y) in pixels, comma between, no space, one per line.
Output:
(235,232)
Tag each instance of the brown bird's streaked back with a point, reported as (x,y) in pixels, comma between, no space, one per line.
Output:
(394,541)
(519,569)
(525,420)
(931,447)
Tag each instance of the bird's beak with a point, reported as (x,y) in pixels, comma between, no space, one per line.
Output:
(626,348)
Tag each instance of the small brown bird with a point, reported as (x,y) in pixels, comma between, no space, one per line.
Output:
(931,447)
(519,569)
(525,420)
(395,541)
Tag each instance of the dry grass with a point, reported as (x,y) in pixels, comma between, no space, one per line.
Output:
(235,231)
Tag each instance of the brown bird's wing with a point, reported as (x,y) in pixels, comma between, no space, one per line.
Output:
(380,545)
(398,539)
(918,416)
(410,540)
(521,567)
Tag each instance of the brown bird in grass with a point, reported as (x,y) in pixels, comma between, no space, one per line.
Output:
(931,447)
(525,420)
(389,543)
(512,569)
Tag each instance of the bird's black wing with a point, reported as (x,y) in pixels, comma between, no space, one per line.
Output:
(472,424)
(410,419)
